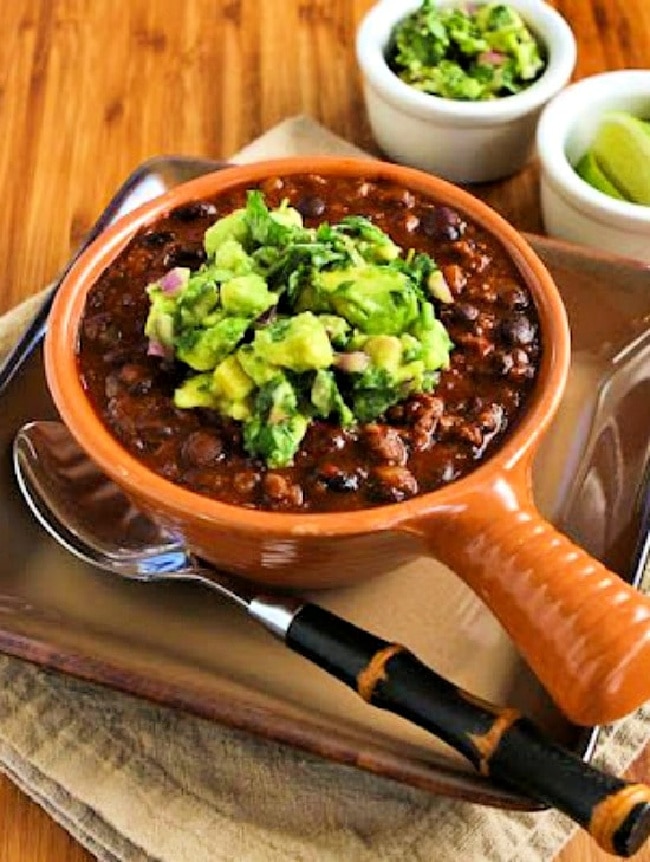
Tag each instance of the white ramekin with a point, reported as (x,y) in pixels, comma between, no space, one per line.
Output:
(461,141)
(571,208)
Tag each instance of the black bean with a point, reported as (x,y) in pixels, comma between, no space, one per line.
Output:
(442,223)
(193,211)
(157,238)
(202,449)
(245,481)
(138,379)
(272,184)
(323,439)
(179,255)
(145,445)
(205,481)
(384,444)
(470,432)
(446,471)
(464,312)
(281,493)
(337,479)
(310,206)
(517,330)
(169,470)
(514,297)
(152,428)
(96,299)
(502,362)
(392,484)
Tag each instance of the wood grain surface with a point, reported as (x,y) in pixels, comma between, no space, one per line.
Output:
(90,88)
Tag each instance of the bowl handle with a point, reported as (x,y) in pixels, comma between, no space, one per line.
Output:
(584,632)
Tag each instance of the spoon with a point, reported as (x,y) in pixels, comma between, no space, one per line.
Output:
(90,516)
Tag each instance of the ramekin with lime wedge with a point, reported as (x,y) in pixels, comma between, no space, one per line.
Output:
(618,161)
(593,142)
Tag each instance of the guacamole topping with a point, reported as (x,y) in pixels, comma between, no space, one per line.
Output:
(469,52)
(285,323)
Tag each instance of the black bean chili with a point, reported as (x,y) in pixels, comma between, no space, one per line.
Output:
(420,445)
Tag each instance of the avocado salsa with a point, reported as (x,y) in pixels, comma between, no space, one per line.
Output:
(285,323)
(467,52)
(314,344)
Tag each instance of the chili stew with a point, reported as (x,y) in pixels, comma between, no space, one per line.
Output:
(417,445)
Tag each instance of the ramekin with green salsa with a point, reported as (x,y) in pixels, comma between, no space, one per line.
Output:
(469,52)
(455,88)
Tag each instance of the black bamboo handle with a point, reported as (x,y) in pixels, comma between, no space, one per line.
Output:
(498,741)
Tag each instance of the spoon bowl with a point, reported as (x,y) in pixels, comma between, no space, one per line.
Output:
(87,513)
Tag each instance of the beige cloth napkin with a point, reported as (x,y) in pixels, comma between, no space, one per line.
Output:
(137,782)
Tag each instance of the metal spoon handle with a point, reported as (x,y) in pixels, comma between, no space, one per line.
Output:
(498,741)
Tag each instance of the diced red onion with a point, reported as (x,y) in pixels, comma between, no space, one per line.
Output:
(492,58)
(157,348)
(175,280)
(268,316)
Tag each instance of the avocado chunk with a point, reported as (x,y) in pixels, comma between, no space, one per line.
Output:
(203,349)
(256,365)
(277,427)
(159,327)
(337,328)
(436,345)
(385,351)
(247,295)
(372,243)
(268,227)
(232,387)
(373,392)
(196,391)
(233,226)
(327,399)
(230,259)
(377,300)
(199,299)
(434,339)
(229,380)
(298,343)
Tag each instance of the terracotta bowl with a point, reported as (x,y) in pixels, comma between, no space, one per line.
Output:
(585,633)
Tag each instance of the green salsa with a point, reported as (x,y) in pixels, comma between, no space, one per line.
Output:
(467,53)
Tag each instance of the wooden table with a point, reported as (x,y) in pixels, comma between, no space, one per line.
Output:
(90,88)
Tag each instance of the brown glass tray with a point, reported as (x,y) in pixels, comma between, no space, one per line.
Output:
(181,646)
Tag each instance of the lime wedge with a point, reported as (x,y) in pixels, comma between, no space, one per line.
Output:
(590,171)
(622,149)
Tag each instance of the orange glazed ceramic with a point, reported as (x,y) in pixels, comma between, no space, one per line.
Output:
(584,632)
